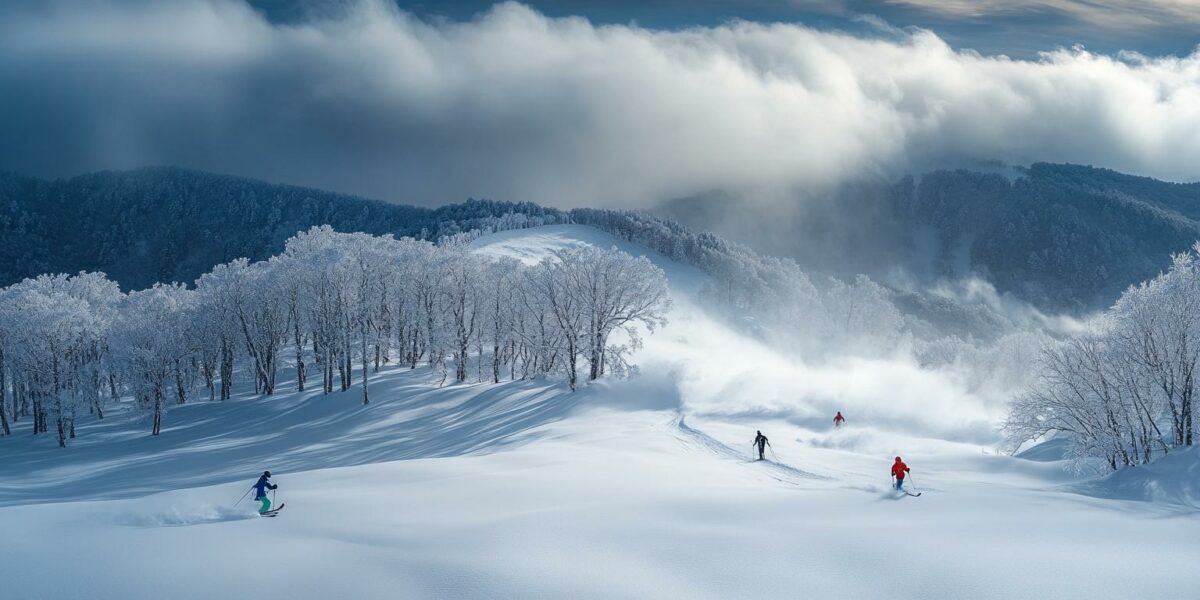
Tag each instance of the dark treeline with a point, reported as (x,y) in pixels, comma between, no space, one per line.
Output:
(163,224)
(166,224)
(1064,237)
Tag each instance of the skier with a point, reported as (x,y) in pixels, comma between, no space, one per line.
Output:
(839,419)
(264,484)
(899,469)
(760,440)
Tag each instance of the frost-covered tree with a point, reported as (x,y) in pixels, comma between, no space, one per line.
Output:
(1081,392)
(342,303)
(1158,326)
(617,291)
(220,292)
(55,333)
(554,285)
(259,309)
(1125,389)
(153,337)
(463,302)
(500,307)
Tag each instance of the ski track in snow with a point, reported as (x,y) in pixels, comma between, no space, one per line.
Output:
(523,490)
(778,471)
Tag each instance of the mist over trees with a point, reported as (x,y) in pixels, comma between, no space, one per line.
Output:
(769,296)
(333,308)
(1063,237)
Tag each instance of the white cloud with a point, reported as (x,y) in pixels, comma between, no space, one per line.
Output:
(516,105)
(1113,14)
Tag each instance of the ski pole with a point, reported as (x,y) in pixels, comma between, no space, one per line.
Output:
(243,496)
(912,485)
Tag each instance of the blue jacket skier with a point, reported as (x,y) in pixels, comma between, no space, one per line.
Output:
(264,484)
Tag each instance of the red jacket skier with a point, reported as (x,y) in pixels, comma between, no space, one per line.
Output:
(839,419)
(899,469)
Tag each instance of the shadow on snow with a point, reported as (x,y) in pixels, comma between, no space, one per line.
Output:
(207,443)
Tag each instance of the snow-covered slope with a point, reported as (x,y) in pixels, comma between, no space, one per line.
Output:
(634,489)
(532,245)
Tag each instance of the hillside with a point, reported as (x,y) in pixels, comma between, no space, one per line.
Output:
(168,224)
(1065,237)
(628,489)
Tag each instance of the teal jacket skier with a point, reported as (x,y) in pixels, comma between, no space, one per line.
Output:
(264,484)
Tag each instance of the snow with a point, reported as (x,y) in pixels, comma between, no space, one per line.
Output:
(1173,481)
(532,245)
(635,489)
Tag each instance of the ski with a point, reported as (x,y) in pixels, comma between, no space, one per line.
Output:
(916,495)
(272,512)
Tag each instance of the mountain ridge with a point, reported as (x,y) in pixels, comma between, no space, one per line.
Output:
(1062,236)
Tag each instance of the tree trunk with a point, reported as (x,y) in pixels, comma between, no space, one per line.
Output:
(572,371)
(158,402)
(329,374)
(4,429)
(298,339)
(496,361)
(366,400)
(180,392)
(226,370)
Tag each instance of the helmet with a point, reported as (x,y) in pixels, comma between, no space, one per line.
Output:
(897,459)
(268,473)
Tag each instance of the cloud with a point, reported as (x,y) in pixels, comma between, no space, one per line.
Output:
(1109,14)
(514,105)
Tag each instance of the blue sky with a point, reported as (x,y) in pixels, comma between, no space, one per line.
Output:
(1020,28)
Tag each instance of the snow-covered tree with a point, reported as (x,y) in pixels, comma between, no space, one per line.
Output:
(1158,326)
(618,291)
(463,302)
(54,329)
(1125,389)
(342,303)
(554,285)
(153,338)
